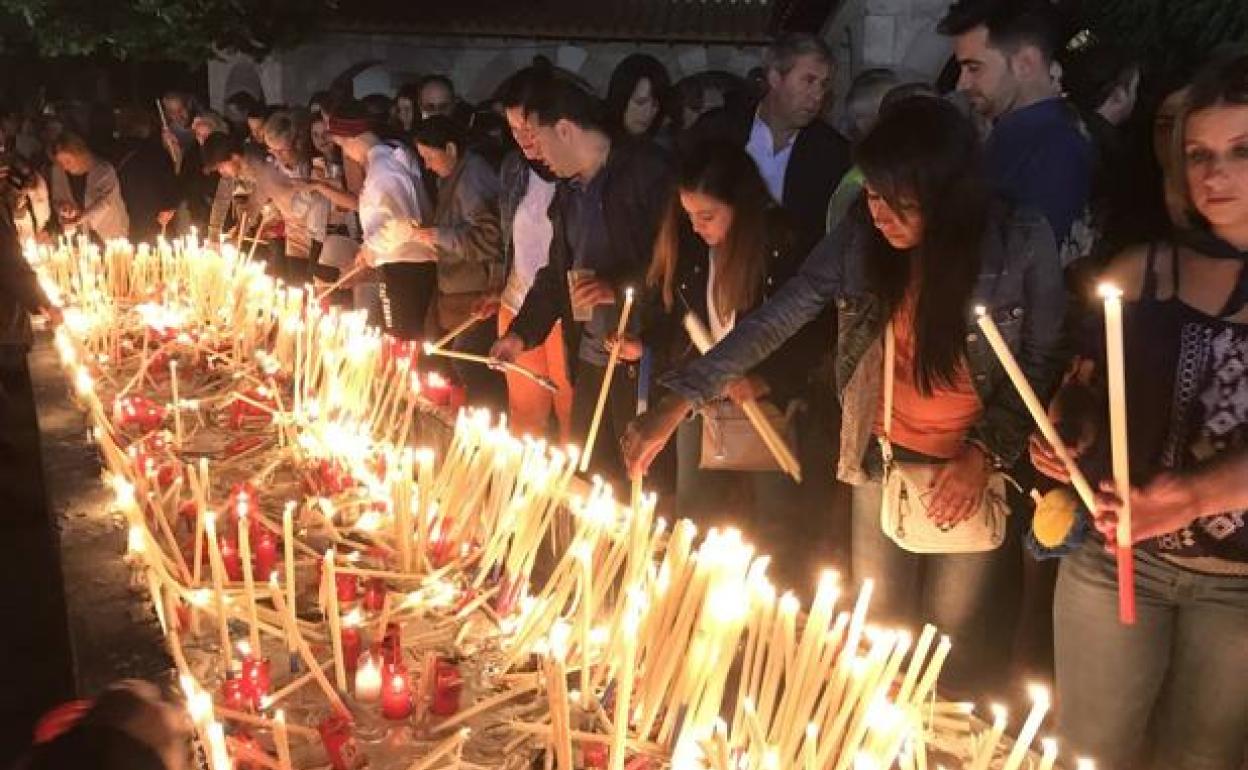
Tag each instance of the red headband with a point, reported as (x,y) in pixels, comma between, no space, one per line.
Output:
(346,127)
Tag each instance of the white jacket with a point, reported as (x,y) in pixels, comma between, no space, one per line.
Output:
(103,210)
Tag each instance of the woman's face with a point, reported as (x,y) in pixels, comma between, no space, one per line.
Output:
(405,111)
(1215,159)
(902,227)
(437,160)
(523,132)
(710,217)
(320,138)
(642,108)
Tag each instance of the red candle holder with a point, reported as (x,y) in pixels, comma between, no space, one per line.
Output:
(375,594)
(352,643)
(348,587)
(256,679)
(391,645)
(234,694)
(338,738)
(594,755)
(396,695)
(230,558)
(447,686)
(265,545)
(138,412)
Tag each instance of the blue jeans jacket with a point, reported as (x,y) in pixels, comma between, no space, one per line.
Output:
(1020,281)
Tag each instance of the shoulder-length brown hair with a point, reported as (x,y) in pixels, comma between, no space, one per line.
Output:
(726,173)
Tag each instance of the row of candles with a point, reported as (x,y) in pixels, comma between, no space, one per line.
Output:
(651,624)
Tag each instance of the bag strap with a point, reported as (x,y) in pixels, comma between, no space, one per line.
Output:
(890,363)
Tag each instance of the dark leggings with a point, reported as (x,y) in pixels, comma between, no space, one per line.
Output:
(407,290)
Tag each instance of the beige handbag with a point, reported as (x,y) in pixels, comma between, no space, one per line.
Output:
(731,443)
(908,493)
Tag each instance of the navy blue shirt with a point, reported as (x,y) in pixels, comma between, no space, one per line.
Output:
(587,243)
(1039,156)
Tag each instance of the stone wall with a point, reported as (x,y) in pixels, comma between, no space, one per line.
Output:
(477,65)
(899,34)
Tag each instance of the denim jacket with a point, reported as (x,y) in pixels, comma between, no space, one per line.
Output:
(1020,282)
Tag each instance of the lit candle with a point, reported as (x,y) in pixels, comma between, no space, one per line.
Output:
(624,678)
(1116,376)
(368,680)
(396,699)
(1039,708)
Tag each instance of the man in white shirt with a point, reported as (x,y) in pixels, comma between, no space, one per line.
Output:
(392,191)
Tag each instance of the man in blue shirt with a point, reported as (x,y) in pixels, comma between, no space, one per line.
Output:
(1038,153)
(604,219)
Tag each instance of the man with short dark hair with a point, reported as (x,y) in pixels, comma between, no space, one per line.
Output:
(604,218)
(1037,152)
(800,157)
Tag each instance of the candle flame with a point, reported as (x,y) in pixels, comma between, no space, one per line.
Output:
(1109,291)
(1039,695)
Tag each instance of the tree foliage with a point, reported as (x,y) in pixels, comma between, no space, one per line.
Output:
(192,31)
(1172,36)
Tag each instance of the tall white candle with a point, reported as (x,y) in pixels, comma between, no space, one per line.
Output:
(1115,366)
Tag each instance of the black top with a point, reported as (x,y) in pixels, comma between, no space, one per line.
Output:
(637,182)
(790,368)
(1187,402)
(148,185)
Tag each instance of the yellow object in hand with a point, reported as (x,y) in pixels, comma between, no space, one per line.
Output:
(1055,517)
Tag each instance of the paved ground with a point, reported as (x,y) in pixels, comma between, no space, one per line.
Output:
(71,623)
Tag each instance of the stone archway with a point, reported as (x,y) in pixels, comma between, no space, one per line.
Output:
(243,76)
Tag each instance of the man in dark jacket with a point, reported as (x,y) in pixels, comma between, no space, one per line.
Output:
(605,216)
(800,157)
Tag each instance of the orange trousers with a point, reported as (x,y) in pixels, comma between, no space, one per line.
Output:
(529,405)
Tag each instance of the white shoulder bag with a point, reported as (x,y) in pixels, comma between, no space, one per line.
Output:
(908,494)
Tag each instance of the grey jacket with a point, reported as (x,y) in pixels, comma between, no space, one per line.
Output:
(469,247)
(1020,281)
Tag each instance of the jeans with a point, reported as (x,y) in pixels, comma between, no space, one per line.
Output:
(528,404)
(1177,679)
(954,592)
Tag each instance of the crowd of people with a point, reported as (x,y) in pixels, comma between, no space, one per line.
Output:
(836,267)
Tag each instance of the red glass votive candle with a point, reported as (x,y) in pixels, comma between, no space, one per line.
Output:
(447,685)
(396,696)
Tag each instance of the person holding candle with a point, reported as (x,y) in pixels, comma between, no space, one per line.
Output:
(464,234)
(604,219)
(86,195)
(527,188)
(1171,687)
(392,190)
(926,245)
(724,247)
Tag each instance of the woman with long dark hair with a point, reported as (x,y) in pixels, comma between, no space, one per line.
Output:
(723,248)
(635,96)
(1170,691)
(926,245)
